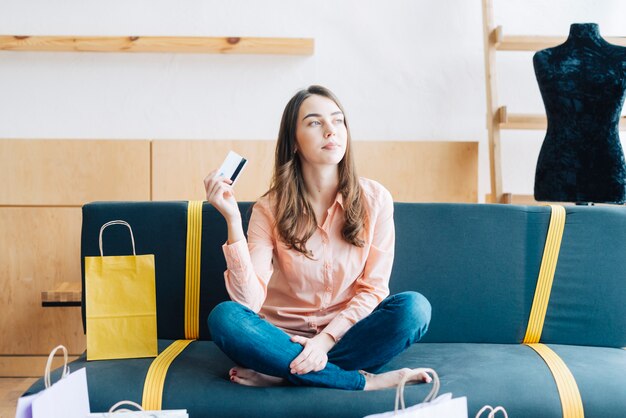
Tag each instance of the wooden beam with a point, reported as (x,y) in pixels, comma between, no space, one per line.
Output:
(490,38)
(205,45)
(524,121)
(533,122)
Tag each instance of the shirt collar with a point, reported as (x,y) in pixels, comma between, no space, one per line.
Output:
(339,199)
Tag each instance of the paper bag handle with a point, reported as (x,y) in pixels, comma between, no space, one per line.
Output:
(400,390)
(117,222)
(120,403)
(492,411)
(66,370)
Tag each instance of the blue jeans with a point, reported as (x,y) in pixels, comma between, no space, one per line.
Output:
(252,342)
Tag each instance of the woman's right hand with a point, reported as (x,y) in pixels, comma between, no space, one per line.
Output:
(220,194)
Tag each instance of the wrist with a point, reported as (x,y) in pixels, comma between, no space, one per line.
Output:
(327,340)
(233,218)
(235,228)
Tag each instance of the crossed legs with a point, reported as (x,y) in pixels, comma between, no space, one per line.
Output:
(263,352)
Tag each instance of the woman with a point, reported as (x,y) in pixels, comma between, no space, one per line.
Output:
(310,286)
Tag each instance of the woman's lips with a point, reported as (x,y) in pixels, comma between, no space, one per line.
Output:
(330,146)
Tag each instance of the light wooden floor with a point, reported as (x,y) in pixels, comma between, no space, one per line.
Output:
(11,389)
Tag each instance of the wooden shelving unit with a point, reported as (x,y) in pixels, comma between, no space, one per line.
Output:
(199,45)
(498,118)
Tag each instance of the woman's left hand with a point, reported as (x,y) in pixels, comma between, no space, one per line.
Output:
(314,356)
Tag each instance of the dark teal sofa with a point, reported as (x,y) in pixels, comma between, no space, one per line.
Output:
(477,264)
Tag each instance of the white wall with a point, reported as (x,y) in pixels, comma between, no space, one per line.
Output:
(404,70)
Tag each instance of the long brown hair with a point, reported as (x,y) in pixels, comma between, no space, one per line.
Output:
(295,219)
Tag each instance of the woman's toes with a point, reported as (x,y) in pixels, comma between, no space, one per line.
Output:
(236,379)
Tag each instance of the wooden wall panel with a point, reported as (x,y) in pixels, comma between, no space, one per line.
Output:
(73,172)
(29,366)
(424,171)
(40,249)
(180,166)
(46,181)
(435,171)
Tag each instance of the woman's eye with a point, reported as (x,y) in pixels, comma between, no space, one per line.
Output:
(339,121)
(315,123)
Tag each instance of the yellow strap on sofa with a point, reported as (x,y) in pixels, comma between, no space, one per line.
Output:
(155,379)
(192,272)
(546,275)
(571,402)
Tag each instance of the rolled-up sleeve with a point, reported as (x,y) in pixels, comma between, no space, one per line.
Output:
(373,285)
(249,264)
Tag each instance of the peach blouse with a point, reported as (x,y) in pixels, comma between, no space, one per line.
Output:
(340,286)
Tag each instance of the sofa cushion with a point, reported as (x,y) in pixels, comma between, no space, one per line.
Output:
(510,375)
(478,265)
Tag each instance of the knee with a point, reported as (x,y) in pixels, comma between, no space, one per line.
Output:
(224,317)
(416,312)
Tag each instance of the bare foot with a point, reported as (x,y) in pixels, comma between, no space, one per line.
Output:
(392,378)
(249,377)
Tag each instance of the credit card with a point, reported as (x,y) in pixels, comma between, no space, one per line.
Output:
(232,166)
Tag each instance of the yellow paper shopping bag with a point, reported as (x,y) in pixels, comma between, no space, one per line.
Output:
(120,301)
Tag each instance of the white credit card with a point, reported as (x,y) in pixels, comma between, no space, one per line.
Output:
(232,166)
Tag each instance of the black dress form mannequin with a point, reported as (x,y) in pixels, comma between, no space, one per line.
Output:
(583,84)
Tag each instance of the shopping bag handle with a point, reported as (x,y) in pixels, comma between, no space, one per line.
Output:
(492,411)
(117,222)
(66,369)
(120,403)
(400,389)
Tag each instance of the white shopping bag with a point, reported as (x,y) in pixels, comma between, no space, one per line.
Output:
(116,412)
(433,406)
(443,406)
(67,398)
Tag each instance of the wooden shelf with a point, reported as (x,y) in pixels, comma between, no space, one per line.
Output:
(536,43)
(67,294)
(524,121)
(204,45)
(514,199)
(529,200)
(531,121)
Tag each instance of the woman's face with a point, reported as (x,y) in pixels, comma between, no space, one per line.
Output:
(321,133)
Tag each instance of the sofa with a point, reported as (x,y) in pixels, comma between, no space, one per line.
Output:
(479,266)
